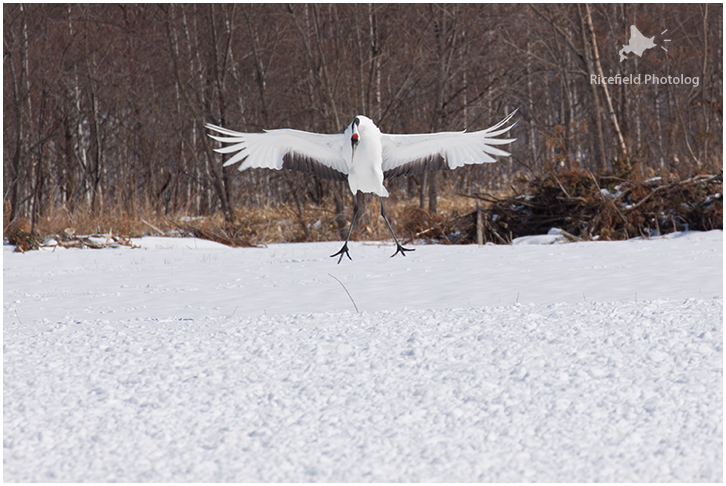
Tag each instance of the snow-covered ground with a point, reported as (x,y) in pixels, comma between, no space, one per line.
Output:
(184,360)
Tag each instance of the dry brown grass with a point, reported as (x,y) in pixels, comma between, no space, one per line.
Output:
(252,226)
(569,200)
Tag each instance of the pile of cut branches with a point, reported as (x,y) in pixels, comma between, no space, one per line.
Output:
(25,240)
(585,207)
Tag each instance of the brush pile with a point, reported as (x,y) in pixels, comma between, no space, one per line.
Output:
(584,207)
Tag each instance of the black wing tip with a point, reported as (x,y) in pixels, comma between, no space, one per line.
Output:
(302,163)
(418,166)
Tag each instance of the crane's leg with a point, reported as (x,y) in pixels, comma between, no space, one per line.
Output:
(344,250)
(399,248)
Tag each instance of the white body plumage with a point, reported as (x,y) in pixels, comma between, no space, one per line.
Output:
(365,173)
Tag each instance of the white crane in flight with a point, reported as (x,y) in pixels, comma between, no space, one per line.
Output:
(362,155)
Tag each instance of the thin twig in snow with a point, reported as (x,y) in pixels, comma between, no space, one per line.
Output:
(346,291)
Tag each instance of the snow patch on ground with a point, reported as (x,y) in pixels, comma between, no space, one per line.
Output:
(185,360)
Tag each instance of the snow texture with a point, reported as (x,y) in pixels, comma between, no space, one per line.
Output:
(184,360)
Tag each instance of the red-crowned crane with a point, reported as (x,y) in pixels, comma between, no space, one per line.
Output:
(362,155)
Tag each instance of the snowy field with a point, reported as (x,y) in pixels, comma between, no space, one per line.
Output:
(184,360)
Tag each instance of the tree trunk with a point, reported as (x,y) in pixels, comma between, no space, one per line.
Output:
(598,68)
(599,142)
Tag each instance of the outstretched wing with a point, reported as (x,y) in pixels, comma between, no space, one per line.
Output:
(413,154)
(315,153)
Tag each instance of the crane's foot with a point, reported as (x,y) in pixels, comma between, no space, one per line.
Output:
(341,252)
(401,250)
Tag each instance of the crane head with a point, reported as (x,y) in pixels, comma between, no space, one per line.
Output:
(355,137)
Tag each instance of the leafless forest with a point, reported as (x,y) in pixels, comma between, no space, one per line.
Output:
(104,105)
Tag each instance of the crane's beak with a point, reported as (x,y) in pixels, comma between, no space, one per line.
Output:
(354,140)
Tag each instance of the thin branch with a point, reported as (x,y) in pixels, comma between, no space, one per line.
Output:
(346,291)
